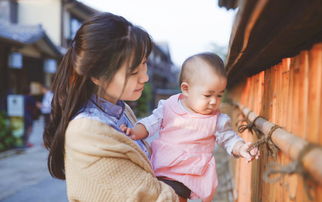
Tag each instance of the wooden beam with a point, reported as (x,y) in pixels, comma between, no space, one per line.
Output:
(289,144)
(260,39)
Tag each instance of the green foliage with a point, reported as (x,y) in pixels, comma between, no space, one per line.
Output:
(141,107)
(225,98)
(6,139)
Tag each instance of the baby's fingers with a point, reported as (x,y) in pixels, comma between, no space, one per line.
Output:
(254,152)
(123,127)
(248,157)
(257,155)
(128,131)
(133,137)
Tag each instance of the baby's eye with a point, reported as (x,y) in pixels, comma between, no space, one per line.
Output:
(207,95)
(219,96)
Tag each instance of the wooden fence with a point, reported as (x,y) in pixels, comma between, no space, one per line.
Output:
(289,95)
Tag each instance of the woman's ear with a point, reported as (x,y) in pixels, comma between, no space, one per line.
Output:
(96,81)
(184,88)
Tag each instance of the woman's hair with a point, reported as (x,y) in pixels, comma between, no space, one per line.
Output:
(213,61)
(101,46)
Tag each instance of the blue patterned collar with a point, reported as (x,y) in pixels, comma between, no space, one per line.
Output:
(115,110)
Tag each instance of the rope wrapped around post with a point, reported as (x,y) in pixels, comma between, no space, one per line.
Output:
(290,145)
(267,139)
(249,126)
(263,139)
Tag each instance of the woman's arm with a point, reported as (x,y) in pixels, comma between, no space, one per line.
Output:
(102,164)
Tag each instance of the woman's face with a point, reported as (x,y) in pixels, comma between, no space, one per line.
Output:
(133,87)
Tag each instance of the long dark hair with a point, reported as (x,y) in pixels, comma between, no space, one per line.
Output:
(101,46)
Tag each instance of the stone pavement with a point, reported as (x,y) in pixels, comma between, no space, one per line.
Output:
(24,174)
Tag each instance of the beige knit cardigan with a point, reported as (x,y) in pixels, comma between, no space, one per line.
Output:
(102,164)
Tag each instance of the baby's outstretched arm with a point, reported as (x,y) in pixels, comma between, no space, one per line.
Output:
(242,149)
(136,133)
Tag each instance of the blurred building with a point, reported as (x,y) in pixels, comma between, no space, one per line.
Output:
(162,72)
(34,35)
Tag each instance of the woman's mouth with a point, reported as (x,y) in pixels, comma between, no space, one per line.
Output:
(138,90)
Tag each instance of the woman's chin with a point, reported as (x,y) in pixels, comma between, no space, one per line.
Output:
(134,97)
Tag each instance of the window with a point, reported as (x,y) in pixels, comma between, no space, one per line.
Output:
(74,26)
(15,60)
(50,66)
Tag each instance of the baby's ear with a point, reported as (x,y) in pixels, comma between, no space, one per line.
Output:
(184,88)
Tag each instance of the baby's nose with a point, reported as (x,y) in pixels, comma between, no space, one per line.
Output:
(213,101)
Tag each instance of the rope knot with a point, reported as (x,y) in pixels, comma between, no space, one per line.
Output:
(295,167)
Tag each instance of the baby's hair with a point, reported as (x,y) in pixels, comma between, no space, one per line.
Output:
(213,61)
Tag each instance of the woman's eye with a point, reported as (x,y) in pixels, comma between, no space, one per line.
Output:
(134,73)
(219,96)
(207,95)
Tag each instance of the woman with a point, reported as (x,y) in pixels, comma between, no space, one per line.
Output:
(105,66)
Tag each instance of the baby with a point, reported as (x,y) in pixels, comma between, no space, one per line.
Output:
(189,124)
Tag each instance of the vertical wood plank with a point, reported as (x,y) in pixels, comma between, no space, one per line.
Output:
(315,58)
(290,95)
(315,83)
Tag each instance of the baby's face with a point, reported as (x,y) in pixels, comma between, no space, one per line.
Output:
(205,93)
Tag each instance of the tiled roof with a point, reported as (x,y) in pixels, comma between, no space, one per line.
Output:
(79,9)
(26,34)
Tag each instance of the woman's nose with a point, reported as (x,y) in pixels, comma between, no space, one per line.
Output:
(144,77)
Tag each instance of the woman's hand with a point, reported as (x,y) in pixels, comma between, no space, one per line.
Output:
(137,133)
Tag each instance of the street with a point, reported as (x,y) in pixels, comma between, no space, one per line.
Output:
(24,174)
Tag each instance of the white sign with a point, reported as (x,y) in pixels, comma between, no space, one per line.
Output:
(15,105)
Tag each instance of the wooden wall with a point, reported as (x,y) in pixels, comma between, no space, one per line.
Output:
(289,95)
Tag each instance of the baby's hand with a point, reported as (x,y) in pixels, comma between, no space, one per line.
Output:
(136,133)
(249,155)
(125,129)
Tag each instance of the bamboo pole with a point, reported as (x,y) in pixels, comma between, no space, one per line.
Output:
(289,144)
